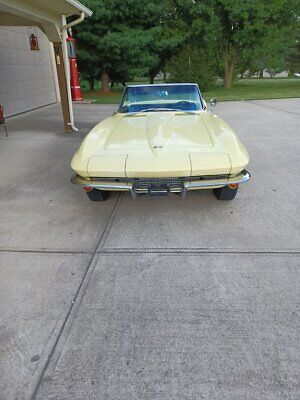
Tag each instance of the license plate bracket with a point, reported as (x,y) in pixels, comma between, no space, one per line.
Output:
(156,189)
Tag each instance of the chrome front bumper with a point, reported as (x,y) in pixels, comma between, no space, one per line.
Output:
(187,184)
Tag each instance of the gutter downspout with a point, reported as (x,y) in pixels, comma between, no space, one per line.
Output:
(66,60)
(73,23)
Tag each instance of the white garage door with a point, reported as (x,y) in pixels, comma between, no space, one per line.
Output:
(27,78)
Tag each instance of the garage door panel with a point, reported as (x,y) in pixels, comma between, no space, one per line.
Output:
(27,77)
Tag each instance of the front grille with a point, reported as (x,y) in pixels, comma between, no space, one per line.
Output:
(159,181)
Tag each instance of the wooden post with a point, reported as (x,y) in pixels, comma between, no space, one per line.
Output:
(62,82)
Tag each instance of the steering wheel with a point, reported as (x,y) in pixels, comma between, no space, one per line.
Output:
(184,104)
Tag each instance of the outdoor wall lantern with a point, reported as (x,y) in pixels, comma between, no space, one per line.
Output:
(34,44)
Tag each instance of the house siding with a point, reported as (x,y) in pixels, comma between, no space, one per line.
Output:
(27,77)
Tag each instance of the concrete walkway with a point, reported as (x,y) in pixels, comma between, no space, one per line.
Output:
(149,299)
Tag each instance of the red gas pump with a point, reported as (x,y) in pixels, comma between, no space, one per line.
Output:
(74,78)
(2,119)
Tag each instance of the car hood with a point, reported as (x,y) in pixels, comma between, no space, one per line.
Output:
(160,144)
(159,130)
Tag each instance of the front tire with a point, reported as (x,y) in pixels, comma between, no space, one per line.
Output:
(225,193)
(97,195)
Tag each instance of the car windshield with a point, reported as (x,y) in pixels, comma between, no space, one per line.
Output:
(151,98)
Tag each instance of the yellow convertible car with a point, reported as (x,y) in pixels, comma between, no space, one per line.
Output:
(162,140)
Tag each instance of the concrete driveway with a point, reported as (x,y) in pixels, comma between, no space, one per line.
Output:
(149,299)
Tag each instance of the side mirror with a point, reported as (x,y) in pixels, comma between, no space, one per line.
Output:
(213,102)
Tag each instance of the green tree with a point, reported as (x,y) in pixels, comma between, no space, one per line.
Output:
(166,42)
(129,38)
(241,29)
(134,39)
(192,64)
(117,40)
(167,39)
(270,55)
(88,66)
(243,25)
(196,60)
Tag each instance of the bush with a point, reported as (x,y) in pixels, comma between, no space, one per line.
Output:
(192,64)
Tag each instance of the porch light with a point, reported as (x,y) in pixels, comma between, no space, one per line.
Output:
(34,44)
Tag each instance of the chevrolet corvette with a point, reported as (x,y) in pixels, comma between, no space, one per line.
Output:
(162,139)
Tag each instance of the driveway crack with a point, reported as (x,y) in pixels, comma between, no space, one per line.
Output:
(62,336)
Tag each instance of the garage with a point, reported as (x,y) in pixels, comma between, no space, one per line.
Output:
(34,68)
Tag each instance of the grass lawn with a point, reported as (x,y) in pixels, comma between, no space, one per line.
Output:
(246,89)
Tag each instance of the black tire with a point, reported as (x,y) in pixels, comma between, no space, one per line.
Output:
(225,193)
(97,195)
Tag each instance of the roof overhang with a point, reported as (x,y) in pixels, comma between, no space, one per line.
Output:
(80,7)
(42,13)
